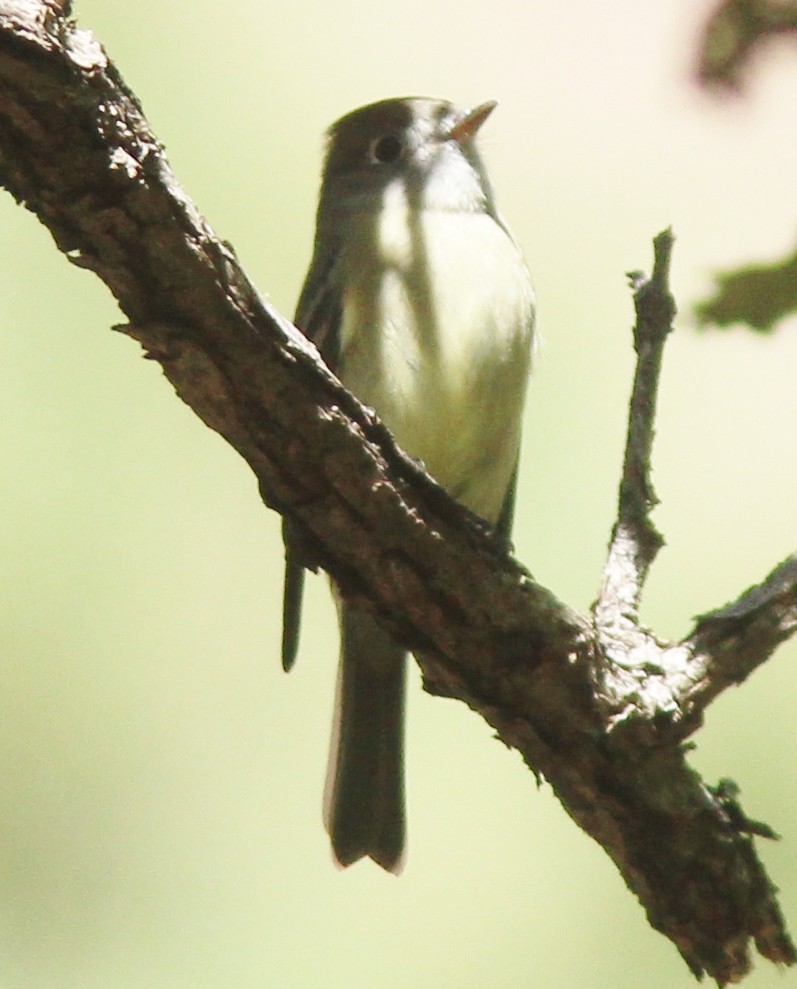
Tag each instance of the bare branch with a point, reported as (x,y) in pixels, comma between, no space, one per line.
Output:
(732,641)
(635,540)
(604,724)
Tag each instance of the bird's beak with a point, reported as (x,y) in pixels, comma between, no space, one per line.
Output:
(466,127)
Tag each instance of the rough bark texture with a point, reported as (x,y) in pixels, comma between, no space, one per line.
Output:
(596,703)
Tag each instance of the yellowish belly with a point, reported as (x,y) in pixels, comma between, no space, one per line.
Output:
(436,337)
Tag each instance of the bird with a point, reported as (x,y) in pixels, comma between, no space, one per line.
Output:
(420,301)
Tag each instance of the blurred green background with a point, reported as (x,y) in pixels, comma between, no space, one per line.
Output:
(160,795)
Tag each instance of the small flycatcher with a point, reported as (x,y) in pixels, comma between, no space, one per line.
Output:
(418,298)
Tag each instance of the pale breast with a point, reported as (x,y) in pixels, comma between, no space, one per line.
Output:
(436,337)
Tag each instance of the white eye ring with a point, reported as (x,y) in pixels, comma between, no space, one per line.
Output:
(385,149)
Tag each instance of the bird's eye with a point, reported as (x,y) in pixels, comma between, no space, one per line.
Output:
(385,149)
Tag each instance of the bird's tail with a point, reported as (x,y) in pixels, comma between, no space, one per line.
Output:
(364,798)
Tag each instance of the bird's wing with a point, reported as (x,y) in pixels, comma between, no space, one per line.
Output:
(318,316)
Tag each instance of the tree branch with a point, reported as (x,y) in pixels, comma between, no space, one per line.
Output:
(732,641)
(734,31)
(635,540)
(759,295)
(602,719)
